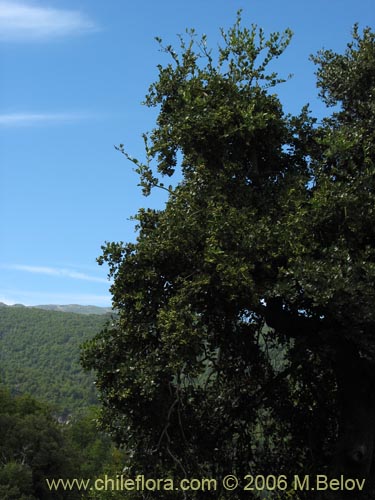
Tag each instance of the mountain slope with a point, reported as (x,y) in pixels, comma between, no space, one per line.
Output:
(39,355)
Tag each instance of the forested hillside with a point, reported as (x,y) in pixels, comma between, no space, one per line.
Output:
(39,355)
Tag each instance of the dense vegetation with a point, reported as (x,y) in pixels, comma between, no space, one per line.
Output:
(34,447)
(272,223)
(39,355)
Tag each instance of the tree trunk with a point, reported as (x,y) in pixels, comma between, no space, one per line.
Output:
(354,455)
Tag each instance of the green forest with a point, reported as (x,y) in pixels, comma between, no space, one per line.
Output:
(48,403)
(34,447)
(243,344)
(40,356)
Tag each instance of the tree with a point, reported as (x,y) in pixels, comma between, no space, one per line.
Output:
(241,346)
(32,449)
(35,451)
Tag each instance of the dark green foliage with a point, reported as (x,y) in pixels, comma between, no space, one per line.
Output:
(39,355)
(34,448)
(272,224)
(16,482)
(93,449)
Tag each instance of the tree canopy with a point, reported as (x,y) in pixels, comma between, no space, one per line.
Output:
(35,451)
(245,337)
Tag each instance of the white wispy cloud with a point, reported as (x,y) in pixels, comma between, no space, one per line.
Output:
(20,21)
(56,271)
(29,119)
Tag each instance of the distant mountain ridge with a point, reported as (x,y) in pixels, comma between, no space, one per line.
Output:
(76,308)
(71,308)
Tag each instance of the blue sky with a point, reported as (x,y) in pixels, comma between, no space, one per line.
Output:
(73,74)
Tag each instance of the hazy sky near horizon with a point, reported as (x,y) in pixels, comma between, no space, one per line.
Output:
(72,78)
